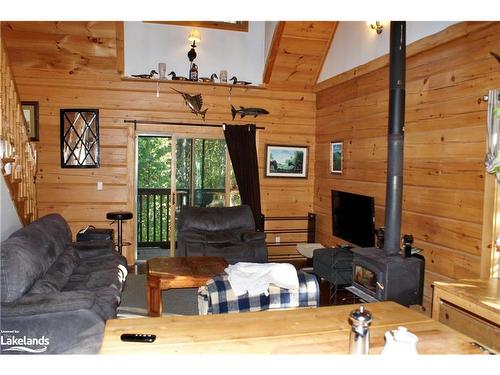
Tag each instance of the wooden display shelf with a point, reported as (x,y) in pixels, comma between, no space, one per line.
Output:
(218,84)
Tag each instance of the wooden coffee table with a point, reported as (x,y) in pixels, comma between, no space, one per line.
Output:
(178,272)
(313,331)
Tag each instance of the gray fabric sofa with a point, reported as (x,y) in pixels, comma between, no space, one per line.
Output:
(228,232)
(56,295)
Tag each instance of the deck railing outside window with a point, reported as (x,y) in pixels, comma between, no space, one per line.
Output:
(153,220)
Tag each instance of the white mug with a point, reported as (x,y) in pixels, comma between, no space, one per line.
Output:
(400,342)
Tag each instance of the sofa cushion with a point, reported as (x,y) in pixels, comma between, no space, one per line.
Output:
(253,236)
(58,275)
(236,219)
(49,303)
(95,280)
(106,262)
(106,286)
(107,301)
(29,252)
(221,237)
(93,248)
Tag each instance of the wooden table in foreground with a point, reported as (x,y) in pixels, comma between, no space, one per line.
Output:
(323,330)
(178,272)
(470,306)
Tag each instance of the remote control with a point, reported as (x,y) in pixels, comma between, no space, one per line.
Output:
(138,337)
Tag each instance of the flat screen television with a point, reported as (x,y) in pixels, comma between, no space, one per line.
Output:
(353,218)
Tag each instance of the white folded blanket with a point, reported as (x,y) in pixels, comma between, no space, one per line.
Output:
(255,278)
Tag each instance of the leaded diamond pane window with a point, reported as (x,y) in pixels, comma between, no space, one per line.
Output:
(79,138)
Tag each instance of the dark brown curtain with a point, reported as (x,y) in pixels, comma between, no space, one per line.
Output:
(240,140)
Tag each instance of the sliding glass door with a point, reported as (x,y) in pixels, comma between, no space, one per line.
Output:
(174,172)
(154,194)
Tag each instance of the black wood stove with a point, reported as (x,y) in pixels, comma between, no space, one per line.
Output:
(384,274)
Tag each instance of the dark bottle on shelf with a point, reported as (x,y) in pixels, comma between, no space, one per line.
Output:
(193,73)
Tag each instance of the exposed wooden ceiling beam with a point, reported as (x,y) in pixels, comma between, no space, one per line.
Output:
(297,53)
(273,51)
(326,53)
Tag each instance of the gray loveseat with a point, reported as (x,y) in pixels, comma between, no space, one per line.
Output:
(56,295)
(228,232)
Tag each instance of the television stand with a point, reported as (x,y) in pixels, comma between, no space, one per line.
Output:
(358,292)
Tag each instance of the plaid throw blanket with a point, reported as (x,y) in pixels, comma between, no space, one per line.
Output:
(217,296)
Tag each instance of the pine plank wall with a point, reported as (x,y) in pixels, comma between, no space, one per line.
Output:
(74,64)
(445,143)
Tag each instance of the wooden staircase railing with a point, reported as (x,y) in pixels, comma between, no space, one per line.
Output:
(18,155)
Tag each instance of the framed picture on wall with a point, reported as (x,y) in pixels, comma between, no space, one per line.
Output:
(30,112)
(79,138)
(286,161)
(336,156)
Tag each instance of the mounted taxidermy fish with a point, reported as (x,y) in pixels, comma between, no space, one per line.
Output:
(211,79)
(175,77)
(148,76)
(194,102)
(236,82)
(248,111)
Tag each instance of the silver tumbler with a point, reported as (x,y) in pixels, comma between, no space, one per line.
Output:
(359,340)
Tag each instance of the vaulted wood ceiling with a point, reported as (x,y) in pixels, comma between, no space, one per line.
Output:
(296,56)
(297,53)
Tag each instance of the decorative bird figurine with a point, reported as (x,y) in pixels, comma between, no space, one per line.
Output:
(175,77)
(236,82)
(211,79)
(148,76)
(194,102)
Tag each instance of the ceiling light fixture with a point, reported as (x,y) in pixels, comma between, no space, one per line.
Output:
(194,36)
(377,26)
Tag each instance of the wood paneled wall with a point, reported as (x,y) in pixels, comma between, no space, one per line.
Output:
(73,65)
(445,144)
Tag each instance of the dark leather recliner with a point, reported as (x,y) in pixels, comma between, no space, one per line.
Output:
(228,232)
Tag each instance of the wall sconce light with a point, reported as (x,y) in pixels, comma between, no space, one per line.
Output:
(377,26)
(194,36)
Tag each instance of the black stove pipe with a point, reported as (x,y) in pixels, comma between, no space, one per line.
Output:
(395,141)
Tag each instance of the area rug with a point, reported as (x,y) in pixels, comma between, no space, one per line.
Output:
(175,301)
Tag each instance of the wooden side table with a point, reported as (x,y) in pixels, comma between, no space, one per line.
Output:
(178,272)
(470,306)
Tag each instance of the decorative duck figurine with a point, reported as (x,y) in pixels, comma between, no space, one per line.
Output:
(194,102)
(236,82)
(147,76)
(175,77)
(211,79)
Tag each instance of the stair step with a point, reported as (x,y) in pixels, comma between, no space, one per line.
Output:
(8,160)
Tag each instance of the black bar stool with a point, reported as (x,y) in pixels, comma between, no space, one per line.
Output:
(119,216)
